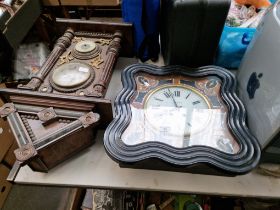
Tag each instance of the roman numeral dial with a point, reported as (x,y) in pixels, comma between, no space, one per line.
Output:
(196,102)
(177,93)
(184,98)
(167,94)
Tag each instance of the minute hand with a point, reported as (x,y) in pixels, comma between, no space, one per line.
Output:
(176,105)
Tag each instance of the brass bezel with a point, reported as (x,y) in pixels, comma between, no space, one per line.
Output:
(149,94)
(76,87)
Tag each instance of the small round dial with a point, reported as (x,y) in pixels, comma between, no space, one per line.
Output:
(85,46)
(183,98)
(71,74)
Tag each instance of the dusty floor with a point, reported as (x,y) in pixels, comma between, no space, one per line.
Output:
(24,197)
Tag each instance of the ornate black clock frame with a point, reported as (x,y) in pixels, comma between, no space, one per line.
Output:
(195,159)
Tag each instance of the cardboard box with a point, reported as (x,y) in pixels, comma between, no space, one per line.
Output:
(6,138)
(6,135)
(81,2)
(10,157)
(5,186)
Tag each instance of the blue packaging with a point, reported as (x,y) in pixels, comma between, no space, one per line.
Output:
(232,46)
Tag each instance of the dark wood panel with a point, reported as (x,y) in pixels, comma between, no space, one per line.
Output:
(105,27)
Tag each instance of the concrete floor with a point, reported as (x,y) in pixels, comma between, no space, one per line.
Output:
(24,197)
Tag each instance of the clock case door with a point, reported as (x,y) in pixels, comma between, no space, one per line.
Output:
(51,123)
(194,159)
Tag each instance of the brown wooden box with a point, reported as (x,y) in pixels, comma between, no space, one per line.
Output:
(5,186)
(6,135)
(6,138)
(10,157)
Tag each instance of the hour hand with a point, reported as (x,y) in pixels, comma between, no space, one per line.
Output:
(176,105)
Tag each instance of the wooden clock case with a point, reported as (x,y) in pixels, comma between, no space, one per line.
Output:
(160,155)
(52,123)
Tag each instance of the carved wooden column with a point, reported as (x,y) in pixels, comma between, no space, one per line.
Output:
(62,43)
(112,52)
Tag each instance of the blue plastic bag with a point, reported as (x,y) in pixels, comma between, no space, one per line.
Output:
(144,14)
(232,46)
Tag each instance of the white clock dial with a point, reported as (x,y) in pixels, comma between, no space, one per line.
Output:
(184,99)
(85,46)
(71,74)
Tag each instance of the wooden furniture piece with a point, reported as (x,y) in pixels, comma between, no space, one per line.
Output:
(61,24)
(53,115)
(82,9)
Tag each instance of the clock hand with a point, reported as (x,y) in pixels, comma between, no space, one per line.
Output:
(176,105)
(188,95)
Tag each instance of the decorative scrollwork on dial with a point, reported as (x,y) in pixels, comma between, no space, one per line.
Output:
(64,58)
(103,42)
(77,39)
(86,49)
(96,62)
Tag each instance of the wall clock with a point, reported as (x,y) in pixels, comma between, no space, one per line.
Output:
(174,118)
(53,116)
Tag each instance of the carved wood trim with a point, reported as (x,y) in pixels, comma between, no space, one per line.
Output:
(60,46)
(94,34)
(47,115)
(30,132)
(105,27)
(61,113)
(7,109)
(82,104)
(18,129)
(54,103)
(89,119)
(28,144)
(99,89)
(25,153)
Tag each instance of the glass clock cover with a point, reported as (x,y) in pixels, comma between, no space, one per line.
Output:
(178,114)
(71,74)
(85,46)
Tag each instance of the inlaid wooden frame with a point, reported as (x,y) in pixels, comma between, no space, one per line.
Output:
(102,64)
(202,159)
(51,124)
